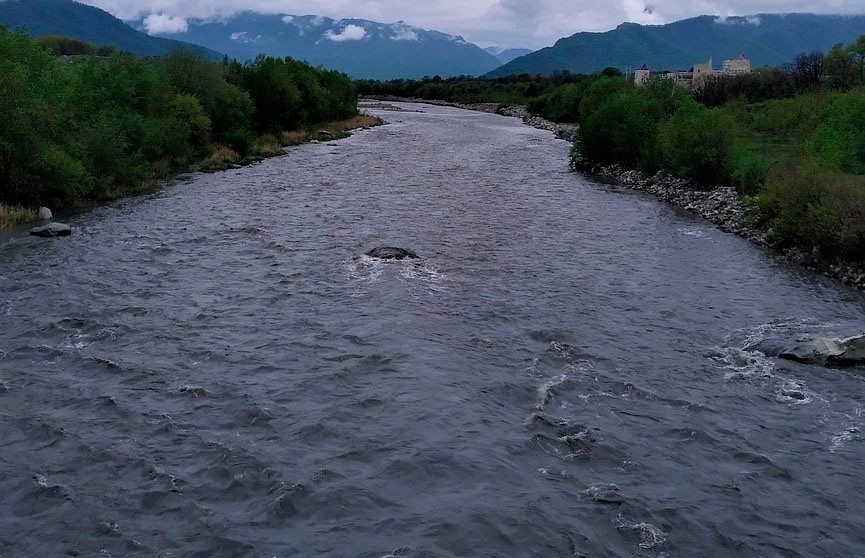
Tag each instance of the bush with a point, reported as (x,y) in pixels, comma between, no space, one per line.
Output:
(748,170)
(619,129)
(840,139)
(697,143)
(811,207)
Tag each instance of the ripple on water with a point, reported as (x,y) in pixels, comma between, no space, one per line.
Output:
(207,371)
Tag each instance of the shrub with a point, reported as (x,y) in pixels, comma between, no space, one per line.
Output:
(266,146)
(840,139)
(748,170)
(697,143)
(619,129)
(810,206)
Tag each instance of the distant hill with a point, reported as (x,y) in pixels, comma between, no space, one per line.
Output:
(72,19)
(505,55)
(360,48)
(766,39)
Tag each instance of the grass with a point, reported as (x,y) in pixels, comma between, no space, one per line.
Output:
(330,131)
(11,215)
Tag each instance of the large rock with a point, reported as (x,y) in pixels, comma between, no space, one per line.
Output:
(52,229)
(390,253)
(823,350)
(45,214)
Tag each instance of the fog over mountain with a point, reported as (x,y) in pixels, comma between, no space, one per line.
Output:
(360,48)
(501,23)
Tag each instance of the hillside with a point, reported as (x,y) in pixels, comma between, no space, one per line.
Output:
(767,40)
(360,48)
(69,18)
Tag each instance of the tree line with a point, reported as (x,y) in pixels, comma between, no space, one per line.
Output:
(95,124)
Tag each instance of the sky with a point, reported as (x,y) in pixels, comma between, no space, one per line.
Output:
(503,23)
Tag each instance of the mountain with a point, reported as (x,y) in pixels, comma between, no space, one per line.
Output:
(505,55)
(86,23)
(766,39)
(360,48)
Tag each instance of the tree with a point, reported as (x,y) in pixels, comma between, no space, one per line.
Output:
(839,67)
(857,53)
(807,70)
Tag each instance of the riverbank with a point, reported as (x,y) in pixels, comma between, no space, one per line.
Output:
(222,158)
(720,205)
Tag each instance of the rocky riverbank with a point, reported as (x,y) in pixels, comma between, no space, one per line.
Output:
(720,205)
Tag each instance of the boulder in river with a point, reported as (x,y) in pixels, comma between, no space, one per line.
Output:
(52,229)
(391,253)
(824,350)
(45,214)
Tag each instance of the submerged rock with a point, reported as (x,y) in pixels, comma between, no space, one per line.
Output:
(52,229)
(391,253)
(824,350)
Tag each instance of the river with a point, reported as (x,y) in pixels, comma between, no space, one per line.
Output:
(571,368)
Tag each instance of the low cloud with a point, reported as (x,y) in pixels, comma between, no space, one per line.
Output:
(287,19)
(726,20)
(402,32)
(243,37)
(350,33)
(164,24)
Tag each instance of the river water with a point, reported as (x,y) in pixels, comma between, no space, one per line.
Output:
(571,368)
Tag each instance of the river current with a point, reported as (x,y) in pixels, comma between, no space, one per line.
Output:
(571,368)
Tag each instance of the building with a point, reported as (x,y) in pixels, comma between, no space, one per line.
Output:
(738,67)
(642,75)
(699,73)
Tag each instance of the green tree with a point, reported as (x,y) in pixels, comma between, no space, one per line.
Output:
(698,143)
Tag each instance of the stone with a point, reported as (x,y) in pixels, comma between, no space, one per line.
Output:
(854,350)
(824,350)
(52,229)
(45,214)
(391,253)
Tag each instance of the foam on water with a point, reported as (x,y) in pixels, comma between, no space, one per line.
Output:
(697,232)
(851,431)
(650,535)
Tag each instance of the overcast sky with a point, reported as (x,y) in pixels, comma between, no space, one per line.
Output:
(505,23)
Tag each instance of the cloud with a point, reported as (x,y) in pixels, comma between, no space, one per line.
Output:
(287,19)
(403,32)
(506,23)
(164,24)
(728,20)
(243,37)
(350,33)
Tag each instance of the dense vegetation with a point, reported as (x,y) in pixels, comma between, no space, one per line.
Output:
(86,128)
(792,140)
(509,90)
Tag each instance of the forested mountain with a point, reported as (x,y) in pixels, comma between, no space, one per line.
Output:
(360,48)
(766,39)
(80,21)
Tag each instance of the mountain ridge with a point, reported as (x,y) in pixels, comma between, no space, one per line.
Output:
(766,39)
(361,48)
(87,23)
